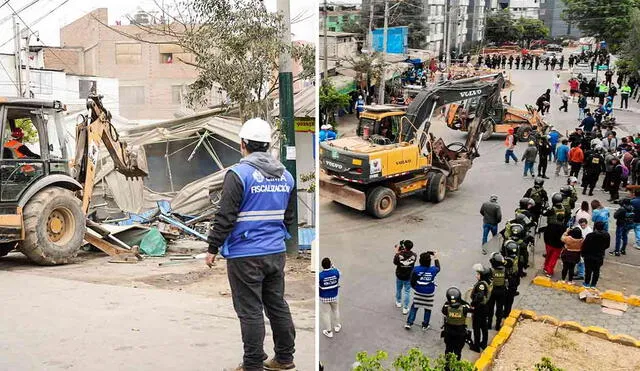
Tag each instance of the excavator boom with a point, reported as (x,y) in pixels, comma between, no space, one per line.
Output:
(96,129)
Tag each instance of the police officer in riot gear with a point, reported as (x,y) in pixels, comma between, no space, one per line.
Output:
(479,304)
(455,311)
(539,195)
(556,213)
(512,264)
(593,166)
(522,239)
(499,289)
(568,199)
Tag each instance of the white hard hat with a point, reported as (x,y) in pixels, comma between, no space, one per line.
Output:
(257,130)
(324,127)
(359,96)
(329,126)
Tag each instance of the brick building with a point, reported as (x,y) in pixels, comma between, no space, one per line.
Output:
(151,77)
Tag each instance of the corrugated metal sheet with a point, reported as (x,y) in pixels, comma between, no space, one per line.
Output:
(304,103)
(306,237)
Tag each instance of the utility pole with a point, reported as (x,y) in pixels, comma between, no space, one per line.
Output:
(285,90)
(384,52)
(326,48)
(18,63)
(27,35)
(370,33)
(447,32)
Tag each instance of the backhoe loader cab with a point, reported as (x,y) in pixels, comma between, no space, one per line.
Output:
(381,123)
(41,212)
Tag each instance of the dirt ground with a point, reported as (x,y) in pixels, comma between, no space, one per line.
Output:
(568,350)
(191,276)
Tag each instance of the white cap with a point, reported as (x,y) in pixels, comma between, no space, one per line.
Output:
(359,96)
(324,127)
(257,130)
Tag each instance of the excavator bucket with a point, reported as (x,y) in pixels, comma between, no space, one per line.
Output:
(136,161)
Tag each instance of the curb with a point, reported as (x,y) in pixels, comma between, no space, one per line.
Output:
(576,289)
(489,353)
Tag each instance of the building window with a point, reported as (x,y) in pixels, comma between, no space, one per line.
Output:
(345,18)
(85,87)
(42,82)
(176,94)
(131,95)
(333,18)
(166,58)
(332,29)
(128,53)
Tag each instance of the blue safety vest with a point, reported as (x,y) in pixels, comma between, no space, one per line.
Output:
(329,283)
(259,229)
(360,105)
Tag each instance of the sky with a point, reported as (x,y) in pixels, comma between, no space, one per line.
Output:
(49,27)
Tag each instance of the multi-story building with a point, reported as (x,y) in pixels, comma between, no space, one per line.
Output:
(434,17)
(518,8)
(339,15)
(458,11)
(152,77)
(340,45)
(550,14)
(476,21)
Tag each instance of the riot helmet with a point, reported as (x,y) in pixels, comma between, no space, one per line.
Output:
(454,296)
(556,198)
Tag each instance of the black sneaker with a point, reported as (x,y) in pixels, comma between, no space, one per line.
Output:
(623,252)
(617,254)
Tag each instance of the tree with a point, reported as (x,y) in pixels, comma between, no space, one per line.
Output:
(501,27)
(368,67)
(232,43)
(28,129)
(630,58)
(604,19)
(532,29)
(331,101)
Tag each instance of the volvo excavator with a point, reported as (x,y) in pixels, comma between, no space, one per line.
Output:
(45,196)
(396,156)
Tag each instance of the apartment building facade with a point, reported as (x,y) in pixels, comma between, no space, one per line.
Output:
(152,77)
(338,15)
(519,8)
(476,20)
(434,17)
(551,15)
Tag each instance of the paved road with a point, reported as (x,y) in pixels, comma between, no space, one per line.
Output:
(58,324)
(362,247)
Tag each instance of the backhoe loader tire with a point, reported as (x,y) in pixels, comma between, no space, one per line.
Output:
(6,248)
(436,188)
(54,227)
(381,202)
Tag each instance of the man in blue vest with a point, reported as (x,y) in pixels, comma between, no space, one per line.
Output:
(359,106)
(249,229)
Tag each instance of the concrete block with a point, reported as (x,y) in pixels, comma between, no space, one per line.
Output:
(572,325)
(549,319)
(542,281)
(510,322)
(506,331)
(515,313)
(529,314)
(598,332)
(634,300)
(623,339)
(613,295)
(498,340)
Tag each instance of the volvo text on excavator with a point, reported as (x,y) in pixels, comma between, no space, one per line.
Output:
(395,156)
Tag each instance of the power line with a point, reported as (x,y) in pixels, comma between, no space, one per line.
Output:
(37,20)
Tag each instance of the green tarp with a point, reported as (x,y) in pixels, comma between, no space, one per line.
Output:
(153,244)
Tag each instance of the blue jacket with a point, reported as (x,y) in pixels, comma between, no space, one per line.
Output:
(326,135)
(562,153)
(259,228)
(554,137)
(601,215)
(588,123)
(423,279)
(635,202)
(329,283)
(360,105)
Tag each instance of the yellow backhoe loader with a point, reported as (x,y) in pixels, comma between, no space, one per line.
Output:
(45,195)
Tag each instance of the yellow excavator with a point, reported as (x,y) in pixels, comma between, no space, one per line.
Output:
(395,156)
(44,194)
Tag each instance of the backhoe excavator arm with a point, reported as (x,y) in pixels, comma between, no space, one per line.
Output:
(487,88)
(92,131)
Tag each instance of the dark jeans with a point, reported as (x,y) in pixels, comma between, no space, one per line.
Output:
(614,190)
(497,302)
(568,267)
(509,154)
(624,101)
(413,312)
(486,228)
(591,272)
(575,169)
(454,337)
(622,237)
(564,106)
(589,181)
(480,322)
(257,284)
(542,166)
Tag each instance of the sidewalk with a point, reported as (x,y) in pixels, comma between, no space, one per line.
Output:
(567,307)
(58,324)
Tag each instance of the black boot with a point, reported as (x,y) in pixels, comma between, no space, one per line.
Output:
(584,191)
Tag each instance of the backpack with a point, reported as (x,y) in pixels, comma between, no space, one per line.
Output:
(625,170)
(629,216)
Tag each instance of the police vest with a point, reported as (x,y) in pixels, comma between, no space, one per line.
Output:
(626,90)
(604,89)
(536,195)
(557,217)
(259,229)
(513,269)
(455,316)
(499,277)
